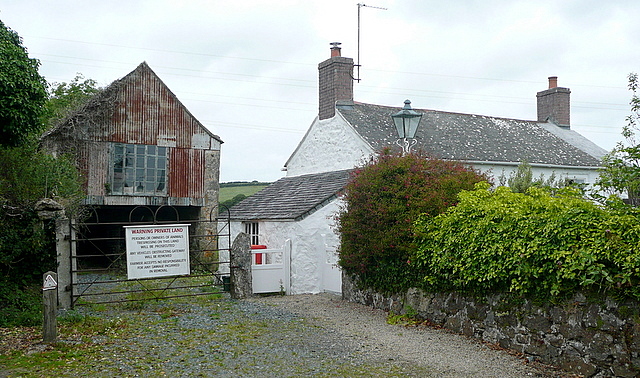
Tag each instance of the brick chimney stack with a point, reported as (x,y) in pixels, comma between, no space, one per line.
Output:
(554,104)
(335,82)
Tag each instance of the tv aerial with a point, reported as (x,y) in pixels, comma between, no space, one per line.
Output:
(361,5)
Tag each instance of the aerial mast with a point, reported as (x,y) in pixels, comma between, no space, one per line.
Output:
(360,5)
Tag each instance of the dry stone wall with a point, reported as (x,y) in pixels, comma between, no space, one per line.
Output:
(587,337)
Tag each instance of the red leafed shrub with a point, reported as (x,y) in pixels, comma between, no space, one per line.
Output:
(383,199)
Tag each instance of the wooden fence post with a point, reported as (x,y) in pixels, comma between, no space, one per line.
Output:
(50,302)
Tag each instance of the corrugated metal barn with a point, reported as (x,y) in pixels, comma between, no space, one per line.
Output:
(137,145)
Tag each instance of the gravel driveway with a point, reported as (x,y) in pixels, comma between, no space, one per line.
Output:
(280,336)
(422,351)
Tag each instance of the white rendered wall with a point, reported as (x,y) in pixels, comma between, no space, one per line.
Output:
(587,176)
(330,145)
(312,239)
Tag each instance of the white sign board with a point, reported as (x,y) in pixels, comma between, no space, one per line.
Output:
(157,251)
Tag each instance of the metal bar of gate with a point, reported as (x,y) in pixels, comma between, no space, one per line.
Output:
(79,236)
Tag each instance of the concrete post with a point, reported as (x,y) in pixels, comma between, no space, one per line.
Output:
(51,211)
(63,249)
(241,279)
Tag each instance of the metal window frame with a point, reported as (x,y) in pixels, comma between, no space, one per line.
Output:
(139,159)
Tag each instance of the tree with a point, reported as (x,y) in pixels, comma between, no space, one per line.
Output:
(231,202)
(522,179)
(621,167)
(22,90)
(383,199)
(64,98)
(27,175)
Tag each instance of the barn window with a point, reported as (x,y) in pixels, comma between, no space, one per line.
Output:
(251,229)
(138,169)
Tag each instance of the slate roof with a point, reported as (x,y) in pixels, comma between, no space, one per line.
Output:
(292,198)
(476,138)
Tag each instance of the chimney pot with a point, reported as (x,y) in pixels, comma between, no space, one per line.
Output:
(553,82)
(335,49)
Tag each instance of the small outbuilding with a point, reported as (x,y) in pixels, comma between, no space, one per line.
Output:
(300,209)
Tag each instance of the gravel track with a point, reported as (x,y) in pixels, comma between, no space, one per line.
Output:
(280,336)
(441,353)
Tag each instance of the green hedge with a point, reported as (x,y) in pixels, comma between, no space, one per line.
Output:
(532,244)
(383,200)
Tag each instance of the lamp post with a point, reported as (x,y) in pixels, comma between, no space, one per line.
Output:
(406,121)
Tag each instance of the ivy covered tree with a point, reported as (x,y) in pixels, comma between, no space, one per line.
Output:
(27,175)
(22,90)
(621,167)
(383,199)
(65,98)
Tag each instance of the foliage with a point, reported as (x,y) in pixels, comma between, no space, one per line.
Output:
(243,183)
(522,179)
(27,250)
(28,175)
(22,90)
(229,203)
(621,167)
(64,98)
(21,304)
(532,244)
(230,190)
(232,193)
(383,199)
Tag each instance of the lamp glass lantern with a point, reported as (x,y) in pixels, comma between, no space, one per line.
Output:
(407,121)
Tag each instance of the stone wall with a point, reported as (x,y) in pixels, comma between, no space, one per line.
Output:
(587,337)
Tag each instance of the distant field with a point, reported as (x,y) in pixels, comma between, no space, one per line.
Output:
(230,190)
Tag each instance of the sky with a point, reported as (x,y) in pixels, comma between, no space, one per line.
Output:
(247,69)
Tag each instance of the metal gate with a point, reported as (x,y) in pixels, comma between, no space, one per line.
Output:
(99,258)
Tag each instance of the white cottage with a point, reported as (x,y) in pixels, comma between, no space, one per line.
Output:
(300,209)
(347,133)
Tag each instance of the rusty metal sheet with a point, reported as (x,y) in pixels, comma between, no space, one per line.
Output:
(147,112)
(93,164)
(186,173)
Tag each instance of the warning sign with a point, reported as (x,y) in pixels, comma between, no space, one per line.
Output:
(49,283)
(157,251)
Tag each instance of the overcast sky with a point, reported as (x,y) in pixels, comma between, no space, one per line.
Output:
(248,69)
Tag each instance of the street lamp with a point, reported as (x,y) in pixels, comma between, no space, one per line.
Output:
(406,121)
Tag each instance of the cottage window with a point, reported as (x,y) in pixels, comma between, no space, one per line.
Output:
(251,229)
(138,169)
